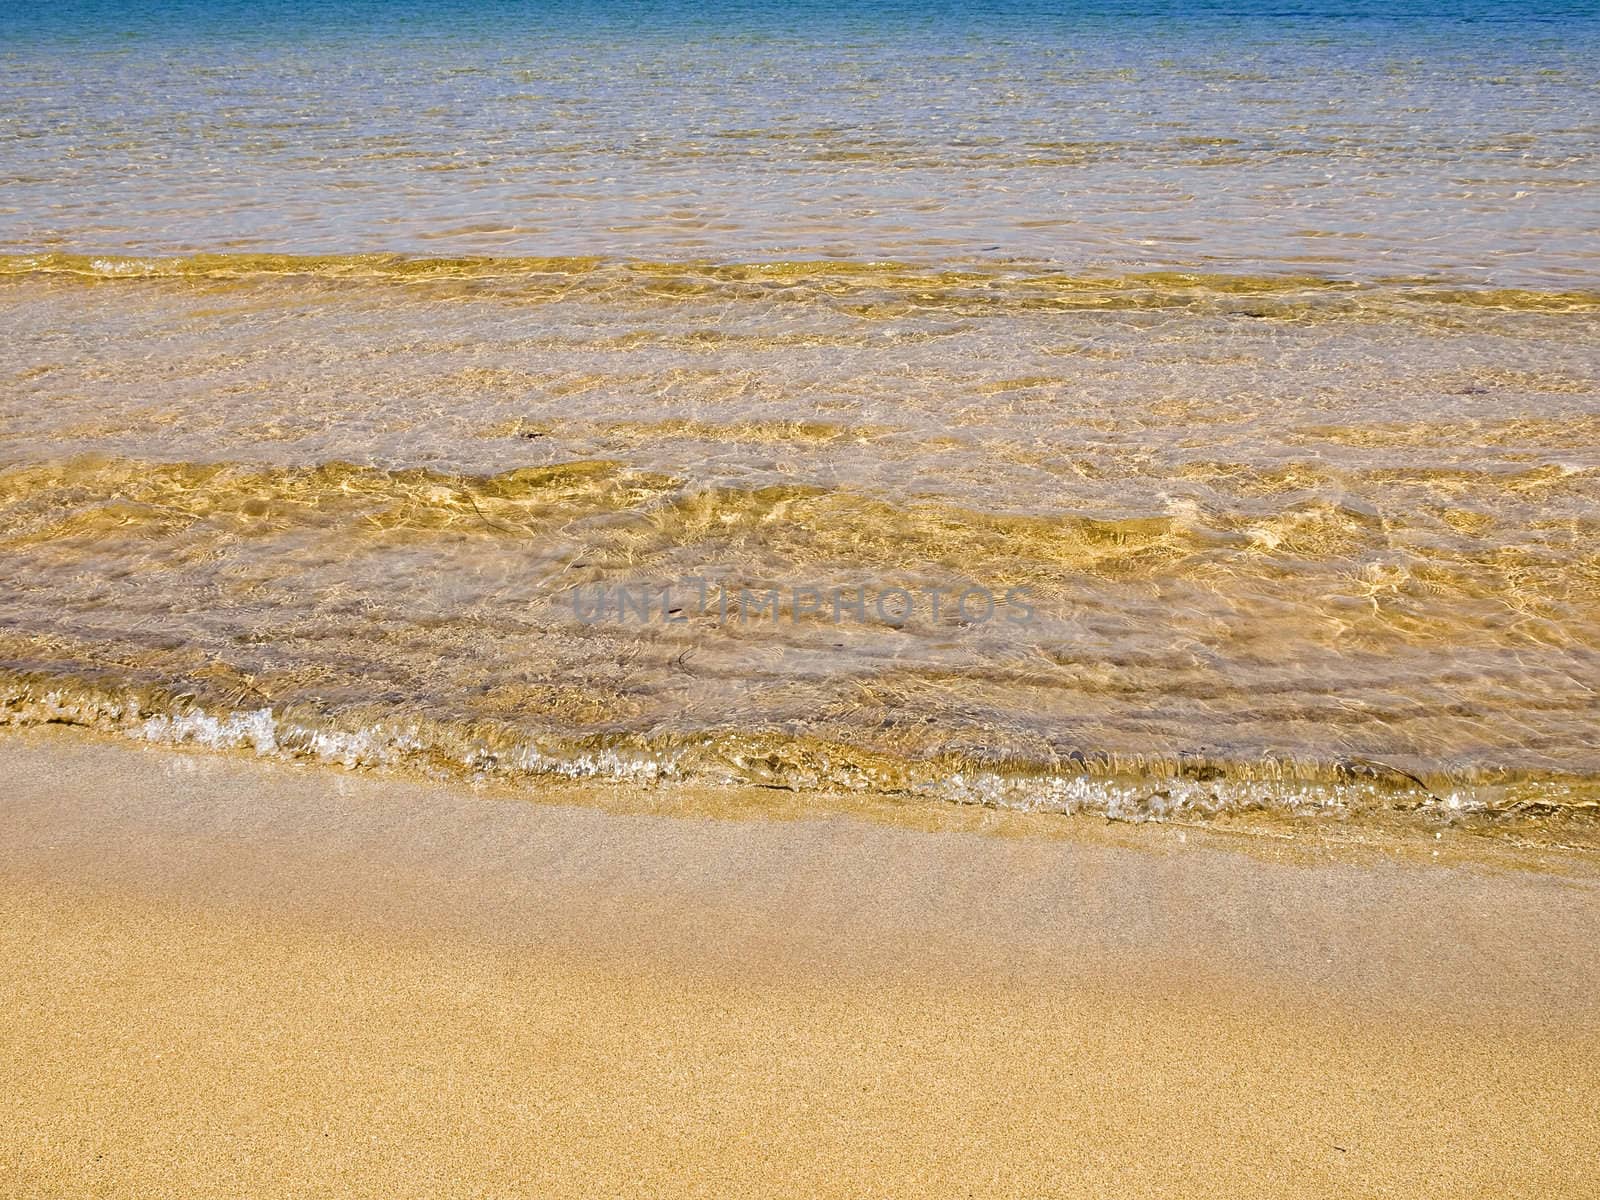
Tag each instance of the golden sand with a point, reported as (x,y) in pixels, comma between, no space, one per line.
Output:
(224,977)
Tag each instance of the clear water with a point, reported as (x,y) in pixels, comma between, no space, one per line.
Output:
(1385,139)
(348,346)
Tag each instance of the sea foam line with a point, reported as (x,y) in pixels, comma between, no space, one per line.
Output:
(444,753)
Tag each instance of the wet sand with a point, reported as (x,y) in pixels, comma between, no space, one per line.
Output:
(224,976)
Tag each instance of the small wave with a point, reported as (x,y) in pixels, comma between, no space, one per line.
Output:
(610,517)
(1183,789)
(868,289)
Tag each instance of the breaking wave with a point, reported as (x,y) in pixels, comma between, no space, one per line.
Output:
(1116,787)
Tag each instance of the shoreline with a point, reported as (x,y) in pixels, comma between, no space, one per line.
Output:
(1350,799)
(239,975)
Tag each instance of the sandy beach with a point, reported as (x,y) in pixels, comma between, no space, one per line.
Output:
(225,977)
(945,599)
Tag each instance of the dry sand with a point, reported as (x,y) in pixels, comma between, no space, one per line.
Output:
(225,977)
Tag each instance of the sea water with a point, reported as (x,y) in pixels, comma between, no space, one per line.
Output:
(1243,356)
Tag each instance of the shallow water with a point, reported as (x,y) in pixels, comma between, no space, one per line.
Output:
(596,394)
(1329,139)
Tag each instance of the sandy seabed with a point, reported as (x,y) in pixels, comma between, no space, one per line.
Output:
(227,977)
